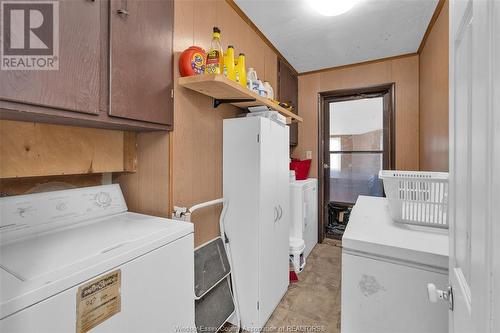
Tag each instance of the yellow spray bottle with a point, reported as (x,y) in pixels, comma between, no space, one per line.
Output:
(229,68)
(241,74)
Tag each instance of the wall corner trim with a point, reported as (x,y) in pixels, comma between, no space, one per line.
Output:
(433,20)
(328,69)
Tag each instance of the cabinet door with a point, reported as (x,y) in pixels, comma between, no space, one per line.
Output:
(288,88)
(273,247)
(283,195)
(141,60)
(267,223)
(75,86)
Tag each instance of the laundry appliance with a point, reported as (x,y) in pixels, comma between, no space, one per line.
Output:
(386,268)
(75,260)
(304,212)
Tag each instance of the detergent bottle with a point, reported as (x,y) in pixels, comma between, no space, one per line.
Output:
(252,79)
(241,75)
(229,67)
(269,90)
(215,56)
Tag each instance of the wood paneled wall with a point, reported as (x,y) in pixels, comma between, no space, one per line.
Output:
(183,167)
(18,186)
(187,163)
(402,71)
(434,87)
(197,137)
(30,149)
(147,190)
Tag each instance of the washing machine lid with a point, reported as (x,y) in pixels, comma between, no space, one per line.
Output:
(372,232)
(46,254)
(42,259)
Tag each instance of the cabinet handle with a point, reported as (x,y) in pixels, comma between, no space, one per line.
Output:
(276,214)
(281,212)
(123,12)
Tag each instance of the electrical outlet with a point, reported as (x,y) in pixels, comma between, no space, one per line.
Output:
(309,155)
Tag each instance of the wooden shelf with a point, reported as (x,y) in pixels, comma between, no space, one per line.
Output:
(224,90)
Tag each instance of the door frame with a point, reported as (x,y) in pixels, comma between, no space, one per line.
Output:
(387,91)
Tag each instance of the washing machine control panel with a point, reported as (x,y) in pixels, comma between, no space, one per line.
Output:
(59,208)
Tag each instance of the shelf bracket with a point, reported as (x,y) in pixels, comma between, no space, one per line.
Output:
(218,102)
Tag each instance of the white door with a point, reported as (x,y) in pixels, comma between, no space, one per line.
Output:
(474,164)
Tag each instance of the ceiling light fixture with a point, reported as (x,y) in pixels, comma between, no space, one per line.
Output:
(332,7)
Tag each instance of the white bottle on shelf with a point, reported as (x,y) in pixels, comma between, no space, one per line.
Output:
(252,80)
(269,90)
(261,89)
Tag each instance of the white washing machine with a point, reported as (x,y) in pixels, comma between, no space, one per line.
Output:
(304,212)
(76,260)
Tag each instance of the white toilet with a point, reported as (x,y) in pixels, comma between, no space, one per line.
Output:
(297,257)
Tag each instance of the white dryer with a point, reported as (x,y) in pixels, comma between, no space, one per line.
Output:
(304,212)
(76,260)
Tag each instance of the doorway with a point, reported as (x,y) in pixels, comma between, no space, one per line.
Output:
(356,141)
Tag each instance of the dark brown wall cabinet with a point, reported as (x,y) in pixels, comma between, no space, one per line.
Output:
(115,69)
(141,61)
(288,92)
(75,86)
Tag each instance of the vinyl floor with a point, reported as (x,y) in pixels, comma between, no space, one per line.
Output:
(313,303)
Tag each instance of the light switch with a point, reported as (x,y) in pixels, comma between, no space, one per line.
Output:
(309,155)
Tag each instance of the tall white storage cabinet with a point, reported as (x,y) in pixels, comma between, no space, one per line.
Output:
(256,185)
(304,212)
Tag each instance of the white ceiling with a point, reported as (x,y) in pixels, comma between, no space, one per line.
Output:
(373,29)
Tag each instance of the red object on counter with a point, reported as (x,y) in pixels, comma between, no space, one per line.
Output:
(301,168)
(192,61)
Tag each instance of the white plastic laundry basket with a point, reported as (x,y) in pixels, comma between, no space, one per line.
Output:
(417,197)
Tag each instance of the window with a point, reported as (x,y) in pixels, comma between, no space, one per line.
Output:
(356,147)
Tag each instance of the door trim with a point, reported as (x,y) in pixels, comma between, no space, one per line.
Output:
(324,99)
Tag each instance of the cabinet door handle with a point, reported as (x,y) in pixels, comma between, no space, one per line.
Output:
(281,212)
(123,12)
(275,214)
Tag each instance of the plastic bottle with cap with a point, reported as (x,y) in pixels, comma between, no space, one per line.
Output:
(241,75)
(215,56)
(269,90)
(229,68)
(261,90)
(251,78)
